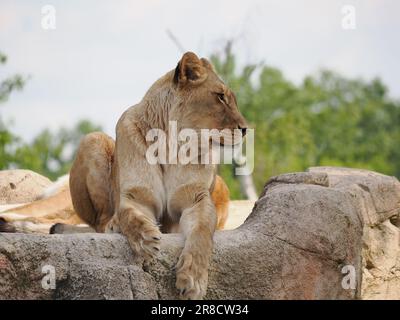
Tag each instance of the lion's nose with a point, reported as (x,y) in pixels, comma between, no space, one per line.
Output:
(244,130)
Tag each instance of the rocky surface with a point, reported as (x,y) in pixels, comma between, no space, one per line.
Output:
(304,232)
(379,209)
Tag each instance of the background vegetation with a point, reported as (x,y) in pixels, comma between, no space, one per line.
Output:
(327,119)
(49,153)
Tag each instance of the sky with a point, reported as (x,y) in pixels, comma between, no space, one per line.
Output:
(102,56)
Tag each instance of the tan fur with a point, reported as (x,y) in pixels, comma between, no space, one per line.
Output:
(220,198)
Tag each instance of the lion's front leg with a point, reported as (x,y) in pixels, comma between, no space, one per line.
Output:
(198,224)
(136,220)
(138,193)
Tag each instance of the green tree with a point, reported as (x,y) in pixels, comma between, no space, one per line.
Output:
(326,120)
(7,86)
(51,154)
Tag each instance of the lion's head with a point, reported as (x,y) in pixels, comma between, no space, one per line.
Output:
(204,100)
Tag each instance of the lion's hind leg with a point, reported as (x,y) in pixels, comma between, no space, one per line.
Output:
(90,183)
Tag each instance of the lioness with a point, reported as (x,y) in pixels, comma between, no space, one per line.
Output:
(114,188)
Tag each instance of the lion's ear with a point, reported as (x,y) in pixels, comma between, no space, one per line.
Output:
(207,64)
(190,70)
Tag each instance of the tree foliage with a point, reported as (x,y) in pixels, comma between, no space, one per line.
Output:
(51,153)
(326,120)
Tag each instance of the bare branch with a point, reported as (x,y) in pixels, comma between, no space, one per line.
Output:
(175,41)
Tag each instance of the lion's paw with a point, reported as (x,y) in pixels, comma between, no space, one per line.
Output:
(191,277)
(145,239)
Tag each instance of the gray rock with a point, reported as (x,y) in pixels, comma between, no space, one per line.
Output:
(301,233)
(378,198)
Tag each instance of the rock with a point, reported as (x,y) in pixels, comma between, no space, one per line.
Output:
(381,262)
(379,210)
(379,194)
(310,236)
(20,186)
